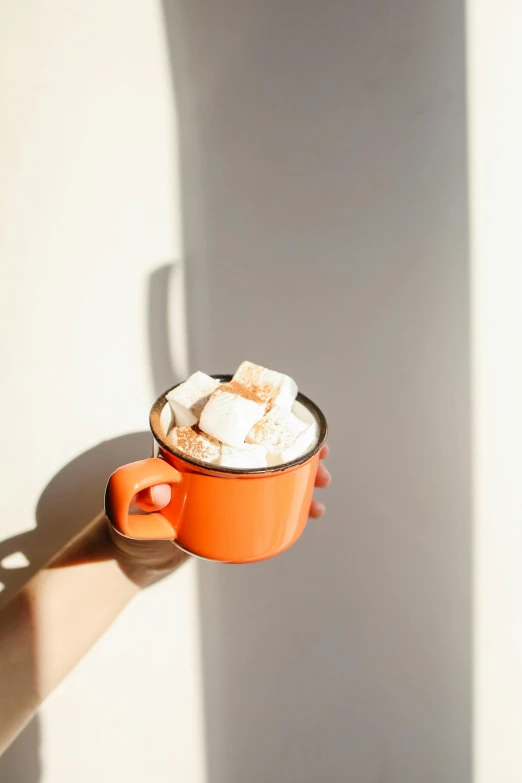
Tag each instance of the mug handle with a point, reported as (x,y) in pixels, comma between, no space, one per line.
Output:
(126,482)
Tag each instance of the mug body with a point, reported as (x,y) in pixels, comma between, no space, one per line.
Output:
(239,518)
(233,516)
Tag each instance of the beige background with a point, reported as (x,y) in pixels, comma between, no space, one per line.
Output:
(307,163)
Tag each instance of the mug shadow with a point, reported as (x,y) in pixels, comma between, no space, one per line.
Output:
(160,306)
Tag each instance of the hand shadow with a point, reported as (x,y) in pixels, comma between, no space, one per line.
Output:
(72,498)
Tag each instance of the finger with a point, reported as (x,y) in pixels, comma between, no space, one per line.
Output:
(152,499)
(324,452)
(161,495)
(323,477)
(316,509)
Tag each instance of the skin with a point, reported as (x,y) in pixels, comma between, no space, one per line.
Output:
(48,626)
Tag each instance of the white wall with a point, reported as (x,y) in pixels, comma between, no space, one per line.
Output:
(89,208)
(495,65)
(323,167)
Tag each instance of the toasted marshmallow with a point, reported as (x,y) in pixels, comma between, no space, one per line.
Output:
(196,444)
(230,413)
(272,387)
(188,399)
(246,456)
(284,436)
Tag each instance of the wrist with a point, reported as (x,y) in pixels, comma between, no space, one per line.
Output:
(144,561)
(141,561)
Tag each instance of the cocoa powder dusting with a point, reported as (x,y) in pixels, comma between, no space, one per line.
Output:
(234,387)
(195,443)
(252,379)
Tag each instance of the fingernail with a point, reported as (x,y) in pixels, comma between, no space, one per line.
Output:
(321,507)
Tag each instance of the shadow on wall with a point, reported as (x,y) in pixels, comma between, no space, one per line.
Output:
(71,499)
(74,495)
(161,304)
(323,158)
(21,761)
(68,503)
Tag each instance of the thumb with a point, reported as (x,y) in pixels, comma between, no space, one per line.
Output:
(152,499)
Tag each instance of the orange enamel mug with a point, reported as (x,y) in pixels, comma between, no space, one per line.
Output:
(215,512)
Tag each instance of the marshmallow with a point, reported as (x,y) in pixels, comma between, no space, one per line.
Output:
(166,419)
(303,413)
(230,413)
(284,436)
(188,399)
(272,387)
(195,444)
(247,456)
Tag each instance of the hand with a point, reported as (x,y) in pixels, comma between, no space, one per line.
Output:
(322,480)
(147,561)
